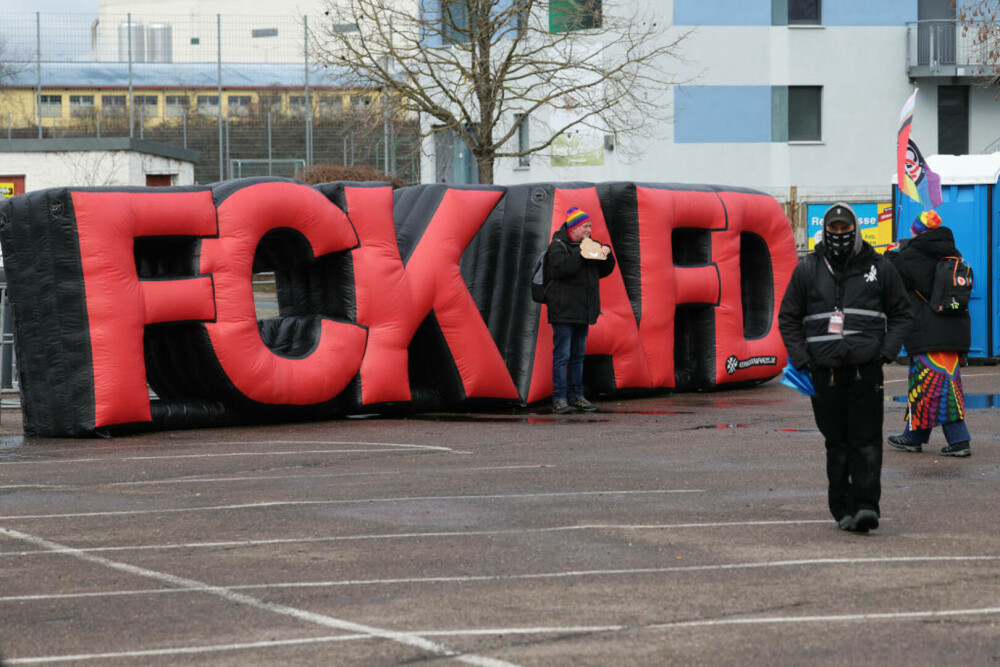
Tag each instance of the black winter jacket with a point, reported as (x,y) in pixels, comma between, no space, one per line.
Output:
(573,295)
(869,293)
(915,261)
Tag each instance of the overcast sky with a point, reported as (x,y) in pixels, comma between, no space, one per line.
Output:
(44,6)
(65,28)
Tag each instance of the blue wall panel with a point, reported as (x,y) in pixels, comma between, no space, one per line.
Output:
(869,12)
(722,12)
(722,114)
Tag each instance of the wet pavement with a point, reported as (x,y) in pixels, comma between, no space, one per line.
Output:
(671,529)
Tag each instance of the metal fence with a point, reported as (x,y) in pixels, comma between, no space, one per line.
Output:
(236,88)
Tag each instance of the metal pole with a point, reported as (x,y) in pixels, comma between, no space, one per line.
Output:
(305,58)
(218,30)
(390,147)
(38,61)
(269,139)
(99,115)
(142,122)
(230,166)
(185,129)
(131,111)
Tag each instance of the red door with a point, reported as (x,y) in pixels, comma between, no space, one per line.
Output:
(11,186)
(157,180)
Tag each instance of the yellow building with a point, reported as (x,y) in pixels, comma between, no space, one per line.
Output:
(72,94)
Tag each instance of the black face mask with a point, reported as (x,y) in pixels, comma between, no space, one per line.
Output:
(839,246)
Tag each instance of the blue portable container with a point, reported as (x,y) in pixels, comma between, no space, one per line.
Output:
(970,201)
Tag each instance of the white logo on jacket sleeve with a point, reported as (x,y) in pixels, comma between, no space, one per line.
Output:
(872,275)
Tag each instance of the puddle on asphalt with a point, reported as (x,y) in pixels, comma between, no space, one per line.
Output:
(11,441)
(972,401)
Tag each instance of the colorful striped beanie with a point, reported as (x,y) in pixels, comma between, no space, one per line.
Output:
(925,222)
(575,217)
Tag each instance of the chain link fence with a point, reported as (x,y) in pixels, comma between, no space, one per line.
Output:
(242,90)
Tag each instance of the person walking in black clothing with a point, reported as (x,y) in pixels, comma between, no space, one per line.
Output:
(936,345)
(845,314)
(575,264)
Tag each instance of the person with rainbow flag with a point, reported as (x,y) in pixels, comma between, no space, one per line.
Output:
(937,344)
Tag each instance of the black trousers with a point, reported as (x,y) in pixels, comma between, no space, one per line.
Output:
(848,409)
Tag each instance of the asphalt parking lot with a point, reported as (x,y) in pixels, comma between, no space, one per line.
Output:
(674,529)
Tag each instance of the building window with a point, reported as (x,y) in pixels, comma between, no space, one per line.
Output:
(264,32)
(269,103)
(177,105)
(953,120)
(804,12)
(297,105)
(113,105)
(567,15)
(147,105)
(523,139)
(81,105)
(455,20)
(51,106)
(360,101)
(330,105)
(805,113)
(239,105)
(208,105)
(453,161)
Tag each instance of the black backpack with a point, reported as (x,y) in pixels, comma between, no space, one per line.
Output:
(952,286)
(540,277)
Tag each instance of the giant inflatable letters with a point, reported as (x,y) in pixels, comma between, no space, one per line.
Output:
(416,299)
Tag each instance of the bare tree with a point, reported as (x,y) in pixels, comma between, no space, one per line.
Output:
(479,68)
(980,23)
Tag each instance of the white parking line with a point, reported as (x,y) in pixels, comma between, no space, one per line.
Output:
(406,638)
(389,445)
(439,534)
(964,376)
(674,569)
(256,478)
(541,630)
(184,650)
(357,501)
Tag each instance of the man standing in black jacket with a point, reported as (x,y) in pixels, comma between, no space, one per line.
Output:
(844,315)
(574,263)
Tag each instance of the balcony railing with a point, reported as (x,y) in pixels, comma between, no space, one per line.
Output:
(939,48)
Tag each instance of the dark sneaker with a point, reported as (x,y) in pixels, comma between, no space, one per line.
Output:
(580,403)
(846,522)
(865,520)
(957,449)
(562,407)
(905,444)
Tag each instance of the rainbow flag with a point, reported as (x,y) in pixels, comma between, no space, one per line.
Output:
(915,178)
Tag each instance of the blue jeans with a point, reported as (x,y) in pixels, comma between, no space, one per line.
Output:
(953,432)
(569,341)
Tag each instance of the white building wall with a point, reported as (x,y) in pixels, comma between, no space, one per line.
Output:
(92,168)
(862,71)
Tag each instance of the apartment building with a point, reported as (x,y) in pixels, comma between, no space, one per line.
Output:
(798,98)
